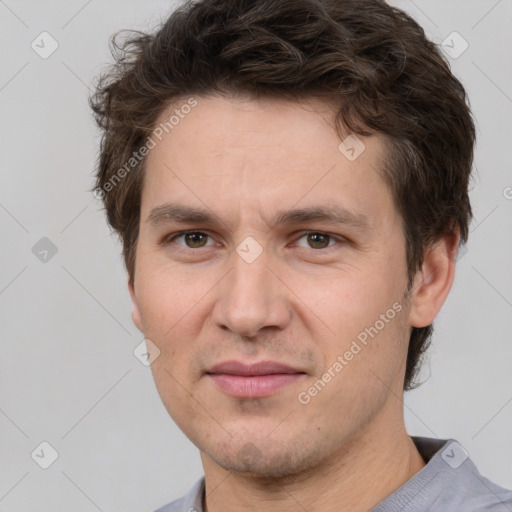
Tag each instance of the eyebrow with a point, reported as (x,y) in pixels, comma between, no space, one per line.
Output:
(334,214)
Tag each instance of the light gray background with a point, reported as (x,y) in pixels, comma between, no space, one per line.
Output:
(67,372)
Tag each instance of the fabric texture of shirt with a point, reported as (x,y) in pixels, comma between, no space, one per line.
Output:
(450,482)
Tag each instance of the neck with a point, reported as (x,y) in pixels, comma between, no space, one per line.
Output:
(363,472)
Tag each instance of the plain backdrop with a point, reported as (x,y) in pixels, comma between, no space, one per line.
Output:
(68,376)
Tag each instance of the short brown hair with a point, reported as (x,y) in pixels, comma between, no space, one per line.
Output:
(371,59)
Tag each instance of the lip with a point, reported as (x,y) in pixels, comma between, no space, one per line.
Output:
(255,380)
(254,369)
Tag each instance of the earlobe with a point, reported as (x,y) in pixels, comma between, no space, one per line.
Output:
(434,280)
(136,316)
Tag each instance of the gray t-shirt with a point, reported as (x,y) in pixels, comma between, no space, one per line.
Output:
(450,482)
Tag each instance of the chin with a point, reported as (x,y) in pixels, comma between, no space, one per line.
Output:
(264,459)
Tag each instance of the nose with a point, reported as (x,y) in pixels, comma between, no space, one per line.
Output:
(251,297)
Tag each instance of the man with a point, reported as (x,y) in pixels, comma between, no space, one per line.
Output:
(289,181)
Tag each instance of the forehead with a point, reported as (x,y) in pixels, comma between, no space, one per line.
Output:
(268,153)
(237,122)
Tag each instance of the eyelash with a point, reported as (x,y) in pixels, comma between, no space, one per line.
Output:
(171,238)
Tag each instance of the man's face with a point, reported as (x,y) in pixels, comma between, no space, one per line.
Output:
(251,287)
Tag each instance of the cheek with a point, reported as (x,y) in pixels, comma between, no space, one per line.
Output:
(174,306)
(166,297)
(350,304)
(368,337)
(360,370)
(175,392)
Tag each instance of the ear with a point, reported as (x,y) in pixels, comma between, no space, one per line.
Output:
(434,280)
(136,316)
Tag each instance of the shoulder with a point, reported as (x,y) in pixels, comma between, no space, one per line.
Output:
(457,484)
(449,482)
(191,502)
(477,493)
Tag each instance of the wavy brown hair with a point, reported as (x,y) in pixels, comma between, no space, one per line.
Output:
(369,60)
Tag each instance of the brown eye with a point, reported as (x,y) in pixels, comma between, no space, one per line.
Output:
(192,239)
(317,240)
(195,240)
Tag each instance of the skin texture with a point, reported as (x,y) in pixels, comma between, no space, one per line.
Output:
(301,302)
